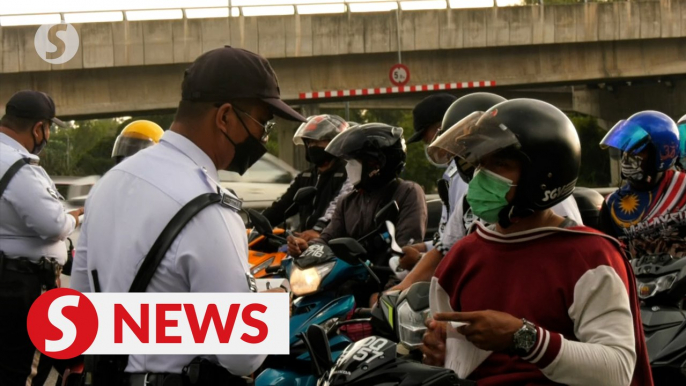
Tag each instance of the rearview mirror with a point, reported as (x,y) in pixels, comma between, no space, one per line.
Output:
(348,250)
(388,213)
(395,248)
(320,349)
(260,222)
(305,194)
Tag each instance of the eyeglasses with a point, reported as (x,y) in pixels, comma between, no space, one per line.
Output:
(268,127)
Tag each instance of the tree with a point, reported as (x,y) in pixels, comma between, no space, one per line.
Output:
(595,162)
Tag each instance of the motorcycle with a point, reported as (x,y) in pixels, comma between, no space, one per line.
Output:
(326,289)
(377,359)
(265,244)
(661,285)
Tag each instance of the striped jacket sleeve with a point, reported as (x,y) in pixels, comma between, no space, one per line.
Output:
(603,323)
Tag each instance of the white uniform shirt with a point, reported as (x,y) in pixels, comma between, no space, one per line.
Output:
(33,221)
(457,189)
(126,212)
(455,229)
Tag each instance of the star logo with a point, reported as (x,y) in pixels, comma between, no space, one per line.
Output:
(629,204)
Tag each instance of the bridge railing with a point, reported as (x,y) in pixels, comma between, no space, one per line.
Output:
(38,12)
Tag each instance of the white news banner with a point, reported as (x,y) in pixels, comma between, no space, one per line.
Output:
(191,323)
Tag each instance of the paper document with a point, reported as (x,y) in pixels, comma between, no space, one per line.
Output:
(461,355)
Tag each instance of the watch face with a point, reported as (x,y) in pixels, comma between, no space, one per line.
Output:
(525,338)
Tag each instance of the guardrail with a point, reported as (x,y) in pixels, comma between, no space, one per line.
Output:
(41,12)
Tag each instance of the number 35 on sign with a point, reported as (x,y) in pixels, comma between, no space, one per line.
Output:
(399,75)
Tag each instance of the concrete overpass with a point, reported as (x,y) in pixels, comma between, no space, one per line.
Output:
(128,67)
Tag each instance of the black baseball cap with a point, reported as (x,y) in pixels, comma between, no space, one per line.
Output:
(428,112)
(32,105)
(230,73)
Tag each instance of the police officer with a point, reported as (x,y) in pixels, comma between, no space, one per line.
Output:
(32,232)
(136,136)
(229,98)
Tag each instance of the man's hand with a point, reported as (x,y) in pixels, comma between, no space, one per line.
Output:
(487,330)
(76,213)
(308,235)
(434,343)
(421,247)
(410,258)
(296,246)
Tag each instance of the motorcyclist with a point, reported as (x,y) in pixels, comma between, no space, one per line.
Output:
(327,175)
(375,155)
(136,136)
(549,301)
(462,218)
(681,163)
(648,213)
(457,187)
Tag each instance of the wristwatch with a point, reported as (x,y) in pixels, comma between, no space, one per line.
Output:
(524,339)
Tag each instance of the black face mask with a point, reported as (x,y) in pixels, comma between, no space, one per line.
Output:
(38,147)
(246,153)
(317,155)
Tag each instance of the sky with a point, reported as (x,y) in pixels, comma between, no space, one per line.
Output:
(9,7)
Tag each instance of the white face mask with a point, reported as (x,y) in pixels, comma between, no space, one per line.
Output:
(354,170)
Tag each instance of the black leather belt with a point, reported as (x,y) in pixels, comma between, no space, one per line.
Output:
(47,270)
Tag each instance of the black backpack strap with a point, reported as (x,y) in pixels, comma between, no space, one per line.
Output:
(167,237)
(11,172)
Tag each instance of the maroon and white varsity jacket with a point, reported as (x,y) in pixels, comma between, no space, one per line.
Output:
(574,284)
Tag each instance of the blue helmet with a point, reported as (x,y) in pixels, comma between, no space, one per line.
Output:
(641,129)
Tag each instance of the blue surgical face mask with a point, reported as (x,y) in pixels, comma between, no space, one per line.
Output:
(487,194)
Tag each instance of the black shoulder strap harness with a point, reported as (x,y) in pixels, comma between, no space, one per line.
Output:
(108,370)
(165,240)
(11,172)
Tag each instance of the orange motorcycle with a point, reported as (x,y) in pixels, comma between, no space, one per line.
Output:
(264,251)
(265,243)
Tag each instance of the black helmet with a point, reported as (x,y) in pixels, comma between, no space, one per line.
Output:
(539,132)
(372,141)
(478,101)
(323,127)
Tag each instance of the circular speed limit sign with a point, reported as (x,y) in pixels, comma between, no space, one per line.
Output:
(399,75)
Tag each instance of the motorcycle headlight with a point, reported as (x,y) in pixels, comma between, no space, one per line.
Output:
(647,289)
(411,326)
(254,270)
(307,281)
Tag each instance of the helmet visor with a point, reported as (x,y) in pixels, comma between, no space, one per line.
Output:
(477,135)
(627,137)
(128,146)
(319,128)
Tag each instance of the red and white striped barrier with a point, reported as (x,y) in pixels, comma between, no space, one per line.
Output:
(395,90)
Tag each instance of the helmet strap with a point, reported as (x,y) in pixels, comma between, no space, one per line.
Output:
(512,214)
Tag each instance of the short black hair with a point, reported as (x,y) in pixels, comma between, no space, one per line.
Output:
(18,124)
(191,111)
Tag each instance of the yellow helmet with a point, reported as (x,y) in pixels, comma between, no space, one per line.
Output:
(136,136)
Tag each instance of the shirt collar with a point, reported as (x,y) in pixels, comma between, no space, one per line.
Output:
(192,151)
(11,142)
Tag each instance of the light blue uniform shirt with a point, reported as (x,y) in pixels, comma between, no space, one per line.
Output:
(33,222)
(457,189)
(126,212)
